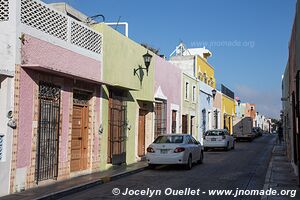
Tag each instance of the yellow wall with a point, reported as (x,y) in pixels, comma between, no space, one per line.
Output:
(204,68)
(228,108)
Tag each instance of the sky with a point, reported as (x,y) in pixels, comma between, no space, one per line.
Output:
(248,38)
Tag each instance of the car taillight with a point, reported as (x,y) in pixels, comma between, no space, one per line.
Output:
(223,137)
(179,149)
(150,150)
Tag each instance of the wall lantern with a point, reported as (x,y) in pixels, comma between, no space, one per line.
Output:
(239,102)
(214,92)
(147,60)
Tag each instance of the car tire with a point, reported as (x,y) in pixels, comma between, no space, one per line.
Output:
(200,161)
(189,163)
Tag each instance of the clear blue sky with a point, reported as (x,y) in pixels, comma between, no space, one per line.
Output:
(248,38)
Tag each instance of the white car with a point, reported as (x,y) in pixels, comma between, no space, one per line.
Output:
(175,149)
(218,138)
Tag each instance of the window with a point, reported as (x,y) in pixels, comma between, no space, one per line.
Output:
(216,118)
(185,124)
(192,124)
(160,111)
(169,139)
(194,94)
(186,91)
(1,147)
(173,121)
(205,78)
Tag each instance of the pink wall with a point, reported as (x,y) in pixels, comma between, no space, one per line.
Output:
(96,135)
(25,119)
(168,77)
(65,103)
(39,52)
(217,103)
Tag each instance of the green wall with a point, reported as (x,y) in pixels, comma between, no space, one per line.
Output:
(121,56)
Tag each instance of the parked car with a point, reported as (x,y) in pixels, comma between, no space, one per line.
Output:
(180,149)
(218,138)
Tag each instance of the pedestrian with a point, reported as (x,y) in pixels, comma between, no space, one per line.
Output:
(280,133)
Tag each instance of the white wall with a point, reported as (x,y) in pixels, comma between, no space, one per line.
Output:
(6,96)
(9,56)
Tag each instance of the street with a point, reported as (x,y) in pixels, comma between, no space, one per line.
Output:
(242,168)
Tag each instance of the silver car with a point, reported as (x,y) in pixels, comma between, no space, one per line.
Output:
(180,149)
(218,138)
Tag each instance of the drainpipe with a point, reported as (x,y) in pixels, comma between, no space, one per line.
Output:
(119,23)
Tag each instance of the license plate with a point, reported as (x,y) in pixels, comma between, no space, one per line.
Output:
(213,139)
(164,151)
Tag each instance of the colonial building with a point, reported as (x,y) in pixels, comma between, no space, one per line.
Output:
(193,62)
(56,65)
(228,108)
(290,96)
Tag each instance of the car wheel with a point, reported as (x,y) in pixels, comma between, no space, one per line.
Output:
(233,145)
(189,163)
(200,161)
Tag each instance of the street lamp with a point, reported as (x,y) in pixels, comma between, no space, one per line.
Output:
(214,92)
(147,60)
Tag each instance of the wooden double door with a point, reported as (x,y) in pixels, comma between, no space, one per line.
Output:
(79,142)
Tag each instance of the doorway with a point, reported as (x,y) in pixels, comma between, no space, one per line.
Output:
(79,138)
(141,133)
(80,127)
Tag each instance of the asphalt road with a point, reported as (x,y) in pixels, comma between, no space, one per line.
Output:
(242,168)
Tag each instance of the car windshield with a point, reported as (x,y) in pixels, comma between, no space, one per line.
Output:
(215,133)
(169,139)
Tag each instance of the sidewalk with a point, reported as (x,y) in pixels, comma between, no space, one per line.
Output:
(65,187)
(280,174)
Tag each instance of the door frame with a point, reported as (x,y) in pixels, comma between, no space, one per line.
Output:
(142,149)
(81,98)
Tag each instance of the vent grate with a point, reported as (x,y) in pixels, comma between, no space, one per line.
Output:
(38,16)
(4,10)
(86,38)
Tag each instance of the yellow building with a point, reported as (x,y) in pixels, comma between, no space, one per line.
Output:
(228,108)
(204,71)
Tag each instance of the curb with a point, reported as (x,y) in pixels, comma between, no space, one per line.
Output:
(85,186)
(268,175)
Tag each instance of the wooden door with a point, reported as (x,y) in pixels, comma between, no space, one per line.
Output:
(184,123)
(173,121)
(79,138)
(141,134)
(116,153)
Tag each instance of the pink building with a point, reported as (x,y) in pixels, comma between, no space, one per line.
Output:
(56,65)
(167,97)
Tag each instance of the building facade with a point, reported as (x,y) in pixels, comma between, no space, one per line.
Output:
(190,101)
(290,96)
(56,63)
(228,108)
(127,103)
